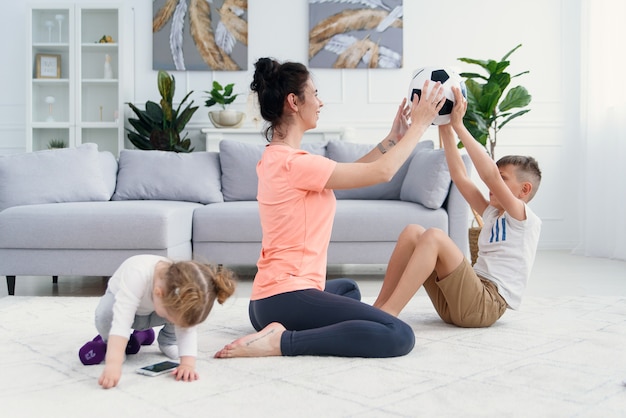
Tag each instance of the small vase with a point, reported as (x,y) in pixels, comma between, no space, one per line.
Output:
(108,70)
(227,118)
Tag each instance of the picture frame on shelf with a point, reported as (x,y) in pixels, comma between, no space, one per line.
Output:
(48,65)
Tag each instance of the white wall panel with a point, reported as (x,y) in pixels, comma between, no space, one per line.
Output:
(364,101)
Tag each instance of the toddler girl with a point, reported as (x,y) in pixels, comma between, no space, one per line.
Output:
(148,291)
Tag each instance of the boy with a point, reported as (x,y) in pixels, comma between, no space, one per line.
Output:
(462,295)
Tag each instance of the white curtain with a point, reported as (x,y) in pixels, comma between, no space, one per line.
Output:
(603,129)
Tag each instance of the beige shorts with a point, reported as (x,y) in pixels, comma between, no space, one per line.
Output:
(465,299)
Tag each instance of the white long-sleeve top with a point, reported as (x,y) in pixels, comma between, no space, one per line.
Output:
(132,284)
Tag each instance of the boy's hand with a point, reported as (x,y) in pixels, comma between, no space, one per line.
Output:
(459,108)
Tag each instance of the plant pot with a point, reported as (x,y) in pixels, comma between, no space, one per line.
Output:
(473,233)
(227,118)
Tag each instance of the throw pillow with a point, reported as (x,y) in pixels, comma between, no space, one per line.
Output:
(239,160)
(52,176)
(343,152)
(428,179)
(167,175)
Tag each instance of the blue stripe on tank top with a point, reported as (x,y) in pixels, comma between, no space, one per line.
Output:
(503,229)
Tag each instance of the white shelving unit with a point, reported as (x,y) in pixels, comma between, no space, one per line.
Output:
(82,102)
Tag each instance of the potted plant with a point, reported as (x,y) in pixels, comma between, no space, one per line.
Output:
(223,96)
(158,127)
(56,143)
(487,111)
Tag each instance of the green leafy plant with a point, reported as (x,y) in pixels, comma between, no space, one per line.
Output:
(222,95)
(487,111)
(56,143)
(159,127)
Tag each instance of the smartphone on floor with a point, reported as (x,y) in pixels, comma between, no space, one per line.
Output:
(158,368)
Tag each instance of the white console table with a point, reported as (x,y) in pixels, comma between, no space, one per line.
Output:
(255,135)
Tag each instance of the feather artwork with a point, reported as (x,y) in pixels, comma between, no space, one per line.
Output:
(163,15)
(395,14)
(176,35)
(352,50)
(213,48)
(372,4)
(355,33)
(388,58)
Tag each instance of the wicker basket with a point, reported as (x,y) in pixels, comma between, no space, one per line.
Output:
(472,235)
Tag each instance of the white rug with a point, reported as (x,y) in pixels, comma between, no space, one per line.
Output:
(557,357)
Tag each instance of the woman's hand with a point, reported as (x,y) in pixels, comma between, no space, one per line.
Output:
(424,110)
(401,121)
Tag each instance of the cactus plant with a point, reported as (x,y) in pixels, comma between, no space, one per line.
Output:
(158,127)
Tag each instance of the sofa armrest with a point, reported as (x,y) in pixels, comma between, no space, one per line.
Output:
(459,213)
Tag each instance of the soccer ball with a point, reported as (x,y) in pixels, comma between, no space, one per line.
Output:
(448,78)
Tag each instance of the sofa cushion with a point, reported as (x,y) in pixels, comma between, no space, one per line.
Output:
(342,151)
(136,224)
(428,179)
(166,175)
(352,216)
(108,164)
(239,160)
(49,176)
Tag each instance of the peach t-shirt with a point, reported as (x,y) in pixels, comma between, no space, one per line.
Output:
(297,218)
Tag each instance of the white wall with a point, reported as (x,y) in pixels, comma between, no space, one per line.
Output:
(364,101)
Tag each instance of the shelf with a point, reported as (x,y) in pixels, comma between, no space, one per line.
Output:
(100,80)
(83,104)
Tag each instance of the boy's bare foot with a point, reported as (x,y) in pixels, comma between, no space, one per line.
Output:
(261,344)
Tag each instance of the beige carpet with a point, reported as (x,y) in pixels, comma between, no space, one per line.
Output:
(557,357)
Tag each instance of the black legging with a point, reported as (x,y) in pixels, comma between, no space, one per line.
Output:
(332,323)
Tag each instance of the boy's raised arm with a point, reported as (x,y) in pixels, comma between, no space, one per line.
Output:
(485,166)
(458,172)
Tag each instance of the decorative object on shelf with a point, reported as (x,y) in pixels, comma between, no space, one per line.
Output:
(487,112)
(227,118)
(48,66)
(106,39)
(224,96)
(59,18)
(50,101)
(108,70)
(49,24)
(56,143)
(159,127)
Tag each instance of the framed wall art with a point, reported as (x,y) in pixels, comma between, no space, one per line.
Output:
(198,35)
(48,66)
(355,34)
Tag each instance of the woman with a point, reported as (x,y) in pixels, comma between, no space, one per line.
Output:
(292,307)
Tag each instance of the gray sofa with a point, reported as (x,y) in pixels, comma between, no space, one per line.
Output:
(81,212)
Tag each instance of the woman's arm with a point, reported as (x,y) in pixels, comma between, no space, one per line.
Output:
(383,168)
(398,130)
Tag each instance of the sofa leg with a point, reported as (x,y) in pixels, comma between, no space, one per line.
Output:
(11,285)
(55,279)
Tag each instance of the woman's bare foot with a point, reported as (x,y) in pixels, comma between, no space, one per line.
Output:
(264,343)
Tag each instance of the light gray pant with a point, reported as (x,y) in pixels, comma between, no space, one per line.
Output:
(104,321)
